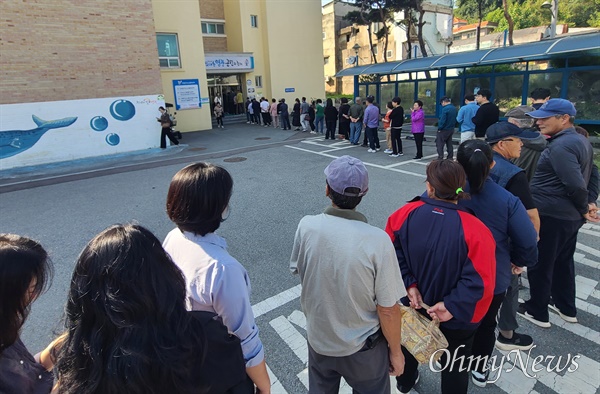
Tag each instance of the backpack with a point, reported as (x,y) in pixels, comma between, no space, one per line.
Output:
(173,120)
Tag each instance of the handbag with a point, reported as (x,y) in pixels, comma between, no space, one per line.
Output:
(420,336)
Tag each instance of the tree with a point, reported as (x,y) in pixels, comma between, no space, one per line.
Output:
(509,20)
(383,13)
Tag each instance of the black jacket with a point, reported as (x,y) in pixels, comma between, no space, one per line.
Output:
(486,115)
(331,113)
(561,185)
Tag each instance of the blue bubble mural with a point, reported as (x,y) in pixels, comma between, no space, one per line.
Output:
(113,139)
(122,110)
(99,123)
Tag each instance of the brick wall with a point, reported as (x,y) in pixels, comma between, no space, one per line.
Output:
(215,44)
(212,9)
(76,49)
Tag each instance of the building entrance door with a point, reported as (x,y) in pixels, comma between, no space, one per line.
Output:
(226,87)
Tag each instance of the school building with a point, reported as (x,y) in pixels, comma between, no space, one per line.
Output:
(86,79)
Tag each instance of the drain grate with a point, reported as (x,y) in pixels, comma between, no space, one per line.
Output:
(234,159)
(196,149)
(262,138)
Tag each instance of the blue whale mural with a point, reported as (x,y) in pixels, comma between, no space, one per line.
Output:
(13,142)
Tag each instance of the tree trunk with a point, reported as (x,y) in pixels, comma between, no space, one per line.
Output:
(479,13)
(408,18)
(511,23)
(368,24)
(420,25)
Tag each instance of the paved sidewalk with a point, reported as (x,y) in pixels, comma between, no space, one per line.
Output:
(200,145)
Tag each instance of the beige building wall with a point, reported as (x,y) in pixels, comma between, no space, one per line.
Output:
(48,48)
(183,18)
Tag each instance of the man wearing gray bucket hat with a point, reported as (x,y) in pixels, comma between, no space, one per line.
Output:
(351,286)
(562,193)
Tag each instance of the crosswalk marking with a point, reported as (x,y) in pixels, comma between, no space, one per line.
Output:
(276,301)
(589,250)
(291,337)
(276,386)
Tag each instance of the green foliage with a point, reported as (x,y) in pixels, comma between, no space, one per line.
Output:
(529,13)
(469,9)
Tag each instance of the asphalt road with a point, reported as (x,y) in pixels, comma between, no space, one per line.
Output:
(273,189)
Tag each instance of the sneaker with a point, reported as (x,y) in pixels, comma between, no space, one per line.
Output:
(400,154)
(394,155)
(568,319)
(371,150)
(406,389)
(377,149)
(387,151)
(364,145)
(480,379)
(517,342)
(525,315)
(417,157)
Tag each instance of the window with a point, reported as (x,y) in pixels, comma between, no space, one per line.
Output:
(326,60)
(324,35)
(389,54)
(213,28)
(375,50)
(347,37)
(258,81)
(168,50)
(254,20)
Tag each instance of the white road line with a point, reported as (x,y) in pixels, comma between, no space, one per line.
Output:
(340,148)
(303,377)
(588,250)
(412,161)
(514,381)
(587,307)
(276,386)
(590,232)
(584,286)
(365,163)
(298,319)
(576,329)
(276,301)
(591,226)
(291,337)
(582,380)
(596,294)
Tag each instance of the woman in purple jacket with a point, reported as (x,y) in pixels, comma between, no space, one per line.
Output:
(417,117)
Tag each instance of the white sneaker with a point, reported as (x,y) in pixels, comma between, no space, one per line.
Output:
(568,319)
(388,151)
(393,155)
(371,150)
(377,149)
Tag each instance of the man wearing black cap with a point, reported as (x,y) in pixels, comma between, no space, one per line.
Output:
(562,193)
(350,289)
(532,149)
(445,128)
(506,141)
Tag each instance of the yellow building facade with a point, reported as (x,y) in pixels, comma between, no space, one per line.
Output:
(262,48)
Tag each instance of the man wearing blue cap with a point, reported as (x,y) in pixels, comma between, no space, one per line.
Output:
(506,140)
(562,193)
(350,289)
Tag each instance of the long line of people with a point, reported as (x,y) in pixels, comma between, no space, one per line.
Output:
(142,317)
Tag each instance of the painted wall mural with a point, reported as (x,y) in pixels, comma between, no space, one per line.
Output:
(77,129)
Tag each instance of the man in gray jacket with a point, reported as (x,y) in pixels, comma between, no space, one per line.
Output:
(562,193)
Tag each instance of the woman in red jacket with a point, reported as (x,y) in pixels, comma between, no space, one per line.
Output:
(446,256)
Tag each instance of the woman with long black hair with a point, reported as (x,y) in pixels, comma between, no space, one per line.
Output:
(128,329)
(25,273)
(515,236)
(446,256)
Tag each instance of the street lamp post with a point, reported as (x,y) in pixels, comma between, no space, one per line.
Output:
(552,5)
(356,48)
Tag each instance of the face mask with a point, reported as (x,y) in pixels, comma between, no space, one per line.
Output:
(225,214)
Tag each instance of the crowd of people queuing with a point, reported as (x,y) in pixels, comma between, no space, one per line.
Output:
(187,325)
